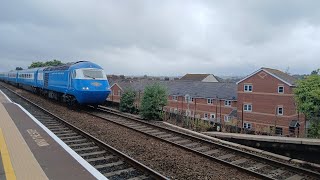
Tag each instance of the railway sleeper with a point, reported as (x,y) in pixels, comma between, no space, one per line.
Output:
(103,158)
(110,174)
(96,153)
(70,137)
(101,166)
(86,148)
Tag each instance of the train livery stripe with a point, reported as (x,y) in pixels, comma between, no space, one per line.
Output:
(8,169)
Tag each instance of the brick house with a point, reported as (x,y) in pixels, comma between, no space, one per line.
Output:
(216,102)
(266,103)
(208,101)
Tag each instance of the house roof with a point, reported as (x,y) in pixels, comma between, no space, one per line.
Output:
(284,77)
(194,77)
(182,88)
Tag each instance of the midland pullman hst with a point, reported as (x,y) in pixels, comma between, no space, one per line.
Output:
(81,82)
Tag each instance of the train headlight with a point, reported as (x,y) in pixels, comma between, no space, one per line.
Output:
(85,88)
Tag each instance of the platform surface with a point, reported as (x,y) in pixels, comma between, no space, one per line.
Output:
(279,139)
(29,152)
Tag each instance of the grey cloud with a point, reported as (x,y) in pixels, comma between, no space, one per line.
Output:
(165,37)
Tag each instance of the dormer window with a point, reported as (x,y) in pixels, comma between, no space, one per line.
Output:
(247,88)
(280,89)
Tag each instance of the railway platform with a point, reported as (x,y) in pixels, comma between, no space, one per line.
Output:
(30,151)
(278,139)
(297,148)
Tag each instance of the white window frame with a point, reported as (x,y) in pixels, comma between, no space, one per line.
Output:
(246,107)
(214,116)
(227,118)
(119,92)
(247,125)
(209,100)
(246,88)
(227,103)
(282,89)
(174,98)
(205,116)
(278,109)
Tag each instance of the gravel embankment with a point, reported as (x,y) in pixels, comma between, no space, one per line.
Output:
(165,158)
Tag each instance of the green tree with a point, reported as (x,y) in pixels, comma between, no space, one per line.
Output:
(307,96)
(127,101)
(45,64)
(154,99)
(315,72)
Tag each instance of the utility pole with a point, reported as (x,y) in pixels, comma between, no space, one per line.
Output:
(195,108)
(242,118)
(221,121)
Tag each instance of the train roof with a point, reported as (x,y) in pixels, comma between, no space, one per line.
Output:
(80,64)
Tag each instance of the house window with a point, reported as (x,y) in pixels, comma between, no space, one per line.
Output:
(247,107)
(227,103)
(212,116)
(205,116)
(279,130)
(280,89)
(247,125)
(280,110)
(247,88)
(119,92)
(192,99)
(210,101)
(227,118)
(175,110)
(175,98)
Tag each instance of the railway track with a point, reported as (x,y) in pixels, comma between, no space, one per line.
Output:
(251,163)
(106,159)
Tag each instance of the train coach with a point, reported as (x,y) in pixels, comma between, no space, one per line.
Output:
(81,82)
(3,76)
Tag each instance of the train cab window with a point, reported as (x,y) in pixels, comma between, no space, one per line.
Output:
(90,73)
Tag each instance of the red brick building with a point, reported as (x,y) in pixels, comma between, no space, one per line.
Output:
(208,101)
(262,102)
(266,103)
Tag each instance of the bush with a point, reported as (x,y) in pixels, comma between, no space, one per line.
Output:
(153,100)
(127,101)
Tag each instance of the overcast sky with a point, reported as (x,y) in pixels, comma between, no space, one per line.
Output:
(167,37)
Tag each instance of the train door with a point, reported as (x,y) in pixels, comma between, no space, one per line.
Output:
(70,79)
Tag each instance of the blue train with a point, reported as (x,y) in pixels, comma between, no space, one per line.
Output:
(82,82)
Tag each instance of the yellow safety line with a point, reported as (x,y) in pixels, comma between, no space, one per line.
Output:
(6,159)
